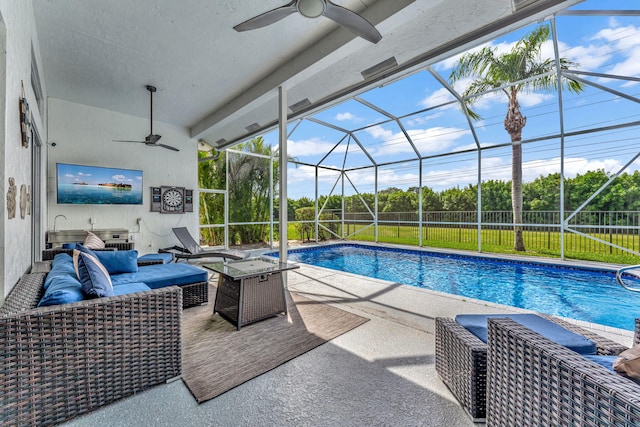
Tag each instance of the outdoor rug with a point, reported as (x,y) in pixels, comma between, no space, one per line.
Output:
(217,357)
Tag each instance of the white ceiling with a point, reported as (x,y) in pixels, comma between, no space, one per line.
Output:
(216,81)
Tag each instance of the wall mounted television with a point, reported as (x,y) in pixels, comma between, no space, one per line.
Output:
(97,185)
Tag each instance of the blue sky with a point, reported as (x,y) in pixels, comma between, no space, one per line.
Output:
(69,174)
(600,44)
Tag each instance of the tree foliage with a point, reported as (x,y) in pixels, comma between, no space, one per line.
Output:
(542,194)
(249,191)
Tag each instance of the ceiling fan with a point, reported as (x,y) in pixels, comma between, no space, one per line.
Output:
(313,9)
(151,139)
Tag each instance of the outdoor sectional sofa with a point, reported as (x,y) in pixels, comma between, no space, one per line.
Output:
(137,273)
(532,381)
(60,361)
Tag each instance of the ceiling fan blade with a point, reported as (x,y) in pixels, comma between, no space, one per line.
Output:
(267,18)
(167,147)
(126,140)
(353,22)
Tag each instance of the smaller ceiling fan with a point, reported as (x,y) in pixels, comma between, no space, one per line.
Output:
(151,139)
(314,9)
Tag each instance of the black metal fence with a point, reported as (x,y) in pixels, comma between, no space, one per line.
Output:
(585,232)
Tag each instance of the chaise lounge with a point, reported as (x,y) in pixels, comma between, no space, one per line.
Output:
(190,249)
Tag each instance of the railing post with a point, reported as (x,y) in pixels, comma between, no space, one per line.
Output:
(549,221)
(610,232)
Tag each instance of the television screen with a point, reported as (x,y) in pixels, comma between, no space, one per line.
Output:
(95,185)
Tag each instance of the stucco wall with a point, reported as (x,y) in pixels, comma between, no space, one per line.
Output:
(17,35)
(84,135)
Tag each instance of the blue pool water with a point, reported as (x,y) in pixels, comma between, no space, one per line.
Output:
(583,294)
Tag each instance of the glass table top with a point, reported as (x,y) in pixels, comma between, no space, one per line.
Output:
(249,267)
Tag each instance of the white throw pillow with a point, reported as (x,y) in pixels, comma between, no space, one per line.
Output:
(92,241)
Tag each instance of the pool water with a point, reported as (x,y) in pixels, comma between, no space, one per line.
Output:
(578,293)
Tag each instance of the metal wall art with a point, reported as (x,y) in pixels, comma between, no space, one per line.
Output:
(25,119)
(24,199)
(11,198)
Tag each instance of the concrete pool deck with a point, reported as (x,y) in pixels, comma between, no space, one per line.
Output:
(380,374)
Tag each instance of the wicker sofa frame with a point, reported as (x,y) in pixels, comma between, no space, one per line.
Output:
(461,361)
(62,361)
(534,381)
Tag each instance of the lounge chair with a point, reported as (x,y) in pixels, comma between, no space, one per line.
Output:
(190,249)
(461,360)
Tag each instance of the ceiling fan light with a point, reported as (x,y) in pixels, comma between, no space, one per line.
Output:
(311,8)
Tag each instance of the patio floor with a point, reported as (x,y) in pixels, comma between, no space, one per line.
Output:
(379,374)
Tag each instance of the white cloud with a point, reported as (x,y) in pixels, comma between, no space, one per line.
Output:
(118,178)
(589,57)
(499,168)
(437,97)
(346,116)
(420,120)
(623,38)
(451,62)
(310,147)
(431,140)
(531,99)
(302,180)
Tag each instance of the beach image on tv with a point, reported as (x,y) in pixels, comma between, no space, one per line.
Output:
(77,184)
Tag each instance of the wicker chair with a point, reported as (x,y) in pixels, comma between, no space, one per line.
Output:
(61,361)
(461,361)
(534,381)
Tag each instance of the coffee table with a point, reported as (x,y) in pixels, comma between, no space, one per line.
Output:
(249,290)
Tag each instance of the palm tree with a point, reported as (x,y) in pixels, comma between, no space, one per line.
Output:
(519,70)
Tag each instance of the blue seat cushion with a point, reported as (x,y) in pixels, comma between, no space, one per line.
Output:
(129,288)
(161,275)
(118,262)
(166,258)
(604,361)
(477,325)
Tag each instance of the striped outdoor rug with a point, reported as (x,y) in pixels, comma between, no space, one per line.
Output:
(216,357)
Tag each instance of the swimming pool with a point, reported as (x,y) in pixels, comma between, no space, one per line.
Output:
(578,293)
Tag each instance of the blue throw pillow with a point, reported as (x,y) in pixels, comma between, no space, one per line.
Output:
(117,262)
(86,250)
(94,278)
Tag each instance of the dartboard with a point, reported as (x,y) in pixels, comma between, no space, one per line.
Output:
(172,200)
